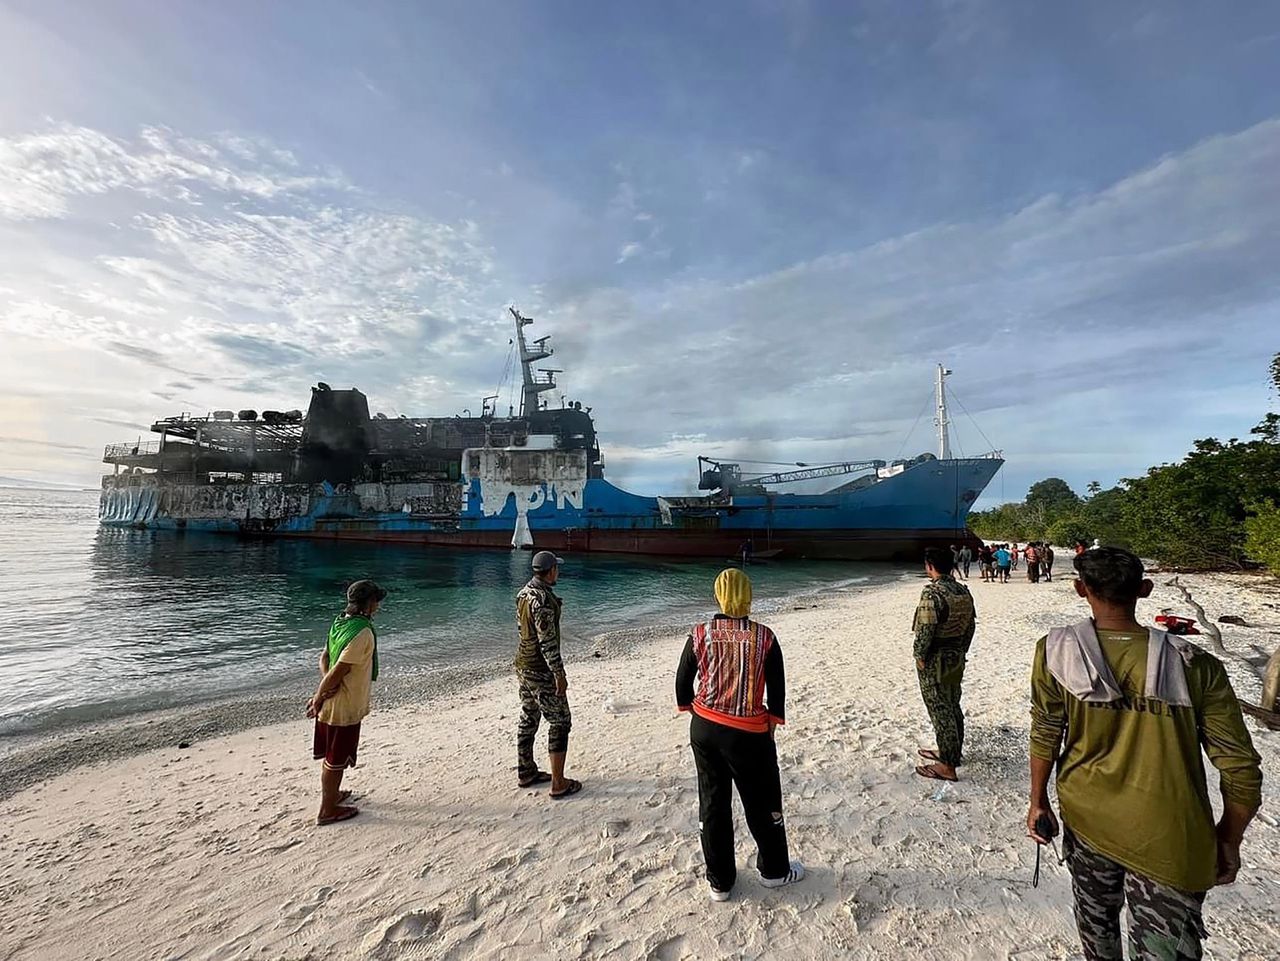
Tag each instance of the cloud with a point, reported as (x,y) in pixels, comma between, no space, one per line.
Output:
(127,424)
(257,352)
(248,275)
(214,258)
(41,174)
(35,442)
(628,251)
(1064,296)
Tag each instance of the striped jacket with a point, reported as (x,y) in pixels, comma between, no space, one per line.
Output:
(737,664)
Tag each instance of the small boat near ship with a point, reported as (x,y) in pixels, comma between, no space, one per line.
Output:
(532,479)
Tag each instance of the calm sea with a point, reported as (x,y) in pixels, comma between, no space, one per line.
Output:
(101,622)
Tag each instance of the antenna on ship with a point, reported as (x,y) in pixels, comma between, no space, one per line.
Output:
(532,386)
(940,419)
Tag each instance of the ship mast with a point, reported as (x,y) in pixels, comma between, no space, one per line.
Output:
(940,419)
(532,386)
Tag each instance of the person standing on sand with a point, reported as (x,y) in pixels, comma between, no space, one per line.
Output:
(543,683)
(1013,554)
(943,626)
(1032,554)
(1046,561)
(740,699)
(963,559)
(987,562)
(349,665)
(1003,560)
(1123,710)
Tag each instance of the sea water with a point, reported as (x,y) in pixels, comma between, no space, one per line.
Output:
(101,622)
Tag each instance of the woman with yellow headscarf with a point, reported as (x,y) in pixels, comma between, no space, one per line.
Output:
(741,694)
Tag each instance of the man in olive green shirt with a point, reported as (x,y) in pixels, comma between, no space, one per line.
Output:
(1124,712)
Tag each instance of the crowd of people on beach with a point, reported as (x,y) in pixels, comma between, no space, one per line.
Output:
(1121,711)
(996,561)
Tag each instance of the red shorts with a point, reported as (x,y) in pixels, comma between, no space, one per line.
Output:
(336,746)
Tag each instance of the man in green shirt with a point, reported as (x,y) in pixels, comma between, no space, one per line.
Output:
(943,627)
(1124,711)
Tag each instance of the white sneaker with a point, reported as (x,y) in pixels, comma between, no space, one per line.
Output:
(719,895)
(791,877)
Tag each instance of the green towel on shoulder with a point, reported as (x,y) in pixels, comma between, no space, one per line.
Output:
(344,630)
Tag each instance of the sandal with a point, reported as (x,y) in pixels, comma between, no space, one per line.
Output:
(932,771)
(541,777)
(573,788)
(342,814)
(929,754)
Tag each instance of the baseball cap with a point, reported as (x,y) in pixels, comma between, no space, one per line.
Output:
(362,592)
(543,561)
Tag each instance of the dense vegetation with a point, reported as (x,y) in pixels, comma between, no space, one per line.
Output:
(1219,507)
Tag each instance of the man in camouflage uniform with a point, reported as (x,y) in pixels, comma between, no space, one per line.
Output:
(543,684)
(943,626)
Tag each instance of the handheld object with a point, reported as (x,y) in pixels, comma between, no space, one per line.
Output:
(1047,829)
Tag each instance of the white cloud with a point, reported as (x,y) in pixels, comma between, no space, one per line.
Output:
(1168,270)
(227,260)
(628,251)
(42,173)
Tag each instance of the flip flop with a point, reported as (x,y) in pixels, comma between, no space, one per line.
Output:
(929,754)
(542,777)
(573,788)
(343,814)
(931,771)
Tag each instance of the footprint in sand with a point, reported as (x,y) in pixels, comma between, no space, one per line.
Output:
(508,862)
(406,934)
(300,910)
(671,949)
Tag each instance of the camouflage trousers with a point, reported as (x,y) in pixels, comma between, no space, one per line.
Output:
(940,680)
(1165,924)
(538,699)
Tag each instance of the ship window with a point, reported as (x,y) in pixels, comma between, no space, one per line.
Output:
(473,464)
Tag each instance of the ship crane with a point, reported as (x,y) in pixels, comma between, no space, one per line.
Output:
(722,475)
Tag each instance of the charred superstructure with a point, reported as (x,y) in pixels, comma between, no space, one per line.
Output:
(533,477)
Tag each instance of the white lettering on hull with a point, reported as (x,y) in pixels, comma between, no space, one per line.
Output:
(533,478)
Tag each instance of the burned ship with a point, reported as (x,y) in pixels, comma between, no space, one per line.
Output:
(532,479)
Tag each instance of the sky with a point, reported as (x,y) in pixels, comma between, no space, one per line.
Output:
(752,229)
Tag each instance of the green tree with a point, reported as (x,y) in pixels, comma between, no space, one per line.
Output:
(1262,535)
(1065,531)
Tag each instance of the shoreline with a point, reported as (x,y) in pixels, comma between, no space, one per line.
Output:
(212,853)
(30,758)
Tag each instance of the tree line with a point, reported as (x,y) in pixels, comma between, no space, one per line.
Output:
(1217,508)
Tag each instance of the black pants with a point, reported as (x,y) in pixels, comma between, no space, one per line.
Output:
(726,756)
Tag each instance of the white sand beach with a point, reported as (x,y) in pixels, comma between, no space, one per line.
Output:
(211,853)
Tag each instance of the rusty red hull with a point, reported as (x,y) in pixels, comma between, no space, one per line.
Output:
(862,545)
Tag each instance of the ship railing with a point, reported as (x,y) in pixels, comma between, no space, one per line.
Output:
(123,451)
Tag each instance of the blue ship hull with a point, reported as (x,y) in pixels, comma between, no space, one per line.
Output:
(892,518)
